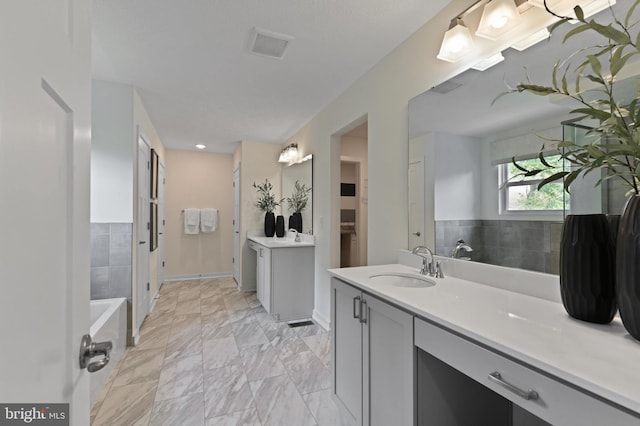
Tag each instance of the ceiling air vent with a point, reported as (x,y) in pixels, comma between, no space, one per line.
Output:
(268,43)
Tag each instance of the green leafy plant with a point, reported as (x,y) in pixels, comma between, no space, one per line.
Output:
(617,147)
(299,198)
(266,199)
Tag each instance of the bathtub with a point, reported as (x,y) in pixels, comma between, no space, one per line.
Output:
(108,322)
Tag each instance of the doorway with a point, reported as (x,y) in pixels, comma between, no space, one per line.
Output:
(353,201)
(142,287)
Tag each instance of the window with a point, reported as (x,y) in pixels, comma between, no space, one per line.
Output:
(521,194)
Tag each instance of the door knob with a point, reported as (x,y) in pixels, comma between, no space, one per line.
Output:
(90,349)
(417,234)
(142,242)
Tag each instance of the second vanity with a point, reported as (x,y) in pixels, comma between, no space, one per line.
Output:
(456,352)
(284,275)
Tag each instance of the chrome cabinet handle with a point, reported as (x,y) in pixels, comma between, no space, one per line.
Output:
(529,395)
(363,311)
(356,302)
(90,349)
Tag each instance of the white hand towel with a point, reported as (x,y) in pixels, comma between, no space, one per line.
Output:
(208,220)
(191,221)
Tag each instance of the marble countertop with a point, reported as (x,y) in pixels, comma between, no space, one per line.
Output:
(602,359)
(288,241)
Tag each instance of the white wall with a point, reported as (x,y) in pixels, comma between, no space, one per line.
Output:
(112,153)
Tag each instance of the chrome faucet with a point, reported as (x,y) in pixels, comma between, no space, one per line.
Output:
(460,246)
(297,239)
(427,264)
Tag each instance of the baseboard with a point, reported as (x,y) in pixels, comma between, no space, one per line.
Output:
(198,276)
(321,320)
(155,299)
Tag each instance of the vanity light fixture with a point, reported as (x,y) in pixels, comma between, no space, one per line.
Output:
(200,146)
(289,154)
(498,18)
(487,63)
(457,42)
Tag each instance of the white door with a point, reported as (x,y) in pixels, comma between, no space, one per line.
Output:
(236,225)
(45,130)
(416,203)
(161,221)
(141,295)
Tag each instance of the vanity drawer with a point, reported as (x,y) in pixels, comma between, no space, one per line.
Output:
(555,402)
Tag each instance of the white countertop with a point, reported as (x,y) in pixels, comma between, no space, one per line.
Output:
(602,359)
(288,241)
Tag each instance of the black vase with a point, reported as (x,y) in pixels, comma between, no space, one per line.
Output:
(269,224)
(587,268)
(295,222)
(280,226)
(628,267)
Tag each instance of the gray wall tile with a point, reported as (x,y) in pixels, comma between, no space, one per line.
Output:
(99,250)
(111,250)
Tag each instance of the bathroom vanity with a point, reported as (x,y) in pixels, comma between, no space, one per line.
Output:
(410,349)
(284,275)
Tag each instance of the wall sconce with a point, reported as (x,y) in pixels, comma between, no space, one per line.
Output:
(289,154)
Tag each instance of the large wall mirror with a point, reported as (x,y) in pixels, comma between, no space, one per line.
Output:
(460,148)
(302,173)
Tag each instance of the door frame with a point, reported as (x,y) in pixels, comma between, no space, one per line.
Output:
(142,260)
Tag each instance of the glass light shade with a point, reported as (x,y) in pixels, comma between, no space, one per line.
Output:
(457,42)
(487,63)
(498,17)
(531,39)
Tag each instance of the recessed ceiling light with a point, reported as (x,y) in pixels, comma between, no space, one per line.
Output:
(269,43)
(200,146)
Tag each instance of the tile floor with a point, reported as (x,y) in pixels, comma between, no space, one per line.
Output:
(210,355)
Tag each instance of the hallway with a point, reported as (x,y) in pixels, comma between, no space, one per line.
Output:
(209,355)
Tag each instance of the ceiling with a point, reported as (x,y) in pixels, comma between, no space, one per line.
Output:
(199,83)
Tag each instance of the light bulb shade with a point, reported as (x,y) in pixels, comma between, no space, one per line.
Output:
(289,154)
(531,39)
(457,42)
(498,18)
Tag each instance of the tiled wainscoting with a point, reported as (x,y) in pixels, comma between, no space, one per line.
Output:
(532,245)
(210,355)
(111,260)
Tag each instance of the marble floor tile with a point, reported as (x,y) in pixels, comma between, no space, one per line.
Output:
(140,366)
(241,315)
(152,337)
(279,403)
(245,418)
(307,372)
(184,345)
(219,353)
(248,332)
(184,411)
(286,341)
(226,391)
(212,306)
(128,405)
(180,377)
(310,330)
(261,361)
(324,410)
(320,345)
(188,306)
(210,332)
(186,325)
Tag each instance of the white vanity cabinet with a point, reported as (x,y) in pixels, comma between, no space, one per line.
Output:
(284,280)
(373,358)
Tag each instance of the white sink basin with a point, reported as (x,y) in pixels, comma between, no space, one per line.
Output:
(399,279)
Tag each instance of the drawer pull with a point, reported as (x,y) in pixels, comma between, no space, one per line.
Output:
(529,395)
(356,302)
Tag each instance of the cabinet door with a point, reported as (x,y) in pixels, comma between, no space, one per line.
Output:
(260,275)
(347,349)
(266,280)
(388,364)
